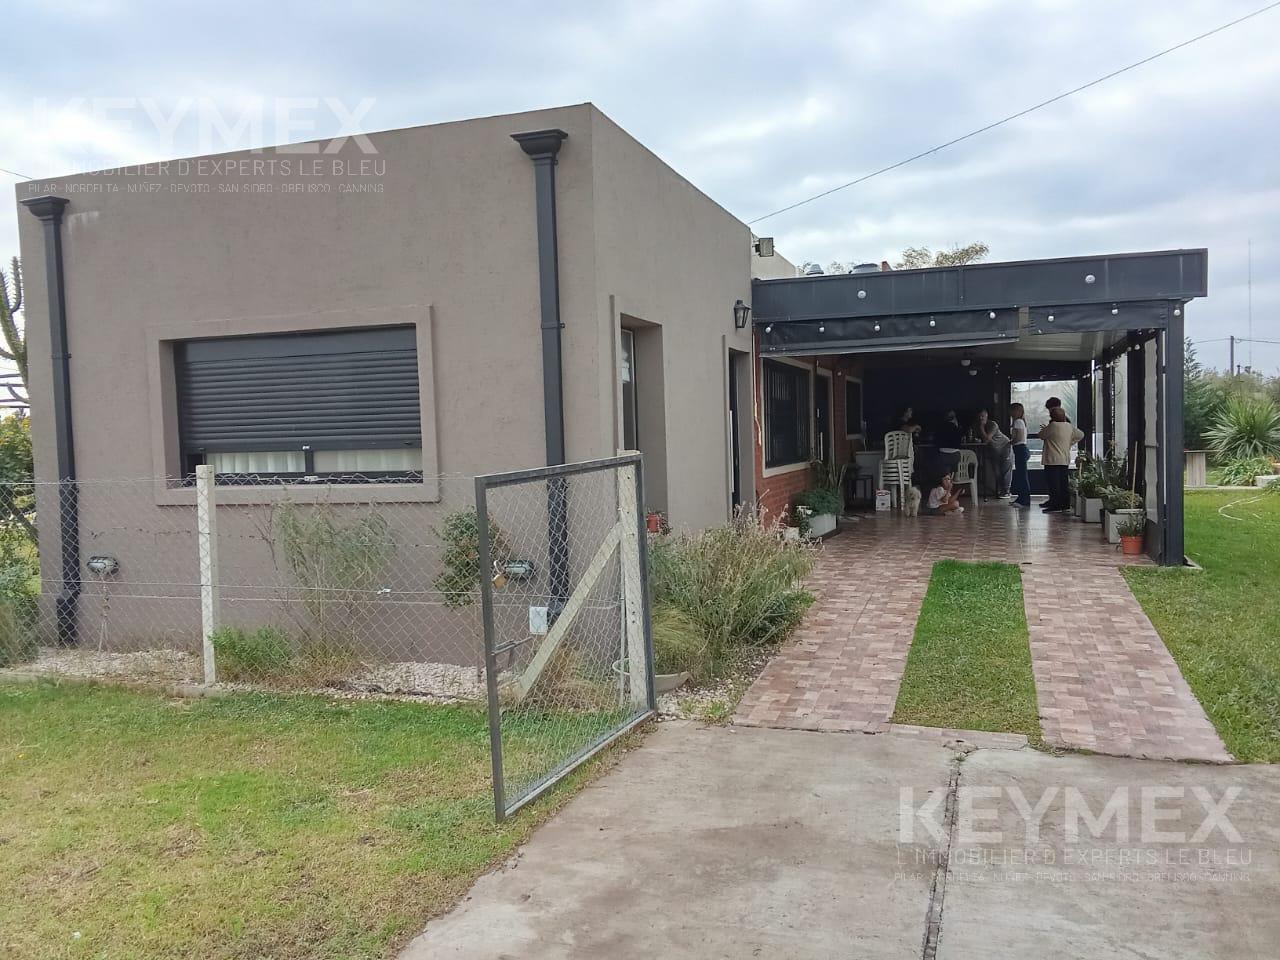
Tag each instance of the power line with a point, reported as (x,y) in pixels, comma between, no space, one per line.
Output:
(1020,113)
(15,173)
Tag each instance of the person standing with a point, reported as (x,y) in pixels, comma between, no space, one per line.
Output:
(998,454)
(1021,485)
(1058,436)
(950,438)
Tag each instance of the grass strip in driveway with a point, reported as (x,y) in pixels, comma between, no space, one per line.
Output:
(970,662)
(1222,624)
(135,825)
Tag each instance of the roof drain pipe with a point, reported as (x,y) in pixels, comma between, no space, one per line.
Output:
(543,146)
(48,210)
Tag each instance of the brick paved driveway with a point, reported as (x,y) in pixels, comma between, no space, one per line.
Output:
(1104,679)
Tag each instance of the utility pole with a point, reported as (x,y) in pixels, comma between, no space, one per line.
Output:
(1250,287)
(1231,364)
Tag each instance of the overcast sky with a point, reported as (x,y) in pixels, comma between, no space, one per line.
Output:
(759,104)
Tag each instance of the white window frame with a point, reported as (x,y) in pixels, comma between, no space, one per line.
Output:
(782,468)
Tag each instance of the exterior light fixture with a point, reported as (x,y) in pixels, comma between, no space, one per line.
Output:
(1177,311)
(965,361)
(763,246)
(991,314)
(973,371)
(768,328)
(1051,318)
(822,328)
(933,322)
(1115,311)
(862,294)
(741,314)
(1090,278)
(877,328)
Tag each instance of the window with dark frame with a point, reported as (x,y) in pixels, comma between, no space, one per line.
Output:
(788,411)
(339,406)
(852,407)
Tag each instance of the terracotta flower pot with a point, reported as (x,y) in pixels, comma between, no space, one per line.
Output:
(1131,546)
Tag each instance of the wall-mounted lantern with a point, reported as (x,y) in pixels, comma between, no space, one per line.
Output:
(741,315)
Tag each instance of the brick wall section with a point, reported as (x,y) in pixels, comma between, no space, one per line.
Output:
(776,493)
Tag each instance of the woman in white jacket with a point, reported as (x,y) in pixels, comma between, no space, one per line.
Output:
(1058,436)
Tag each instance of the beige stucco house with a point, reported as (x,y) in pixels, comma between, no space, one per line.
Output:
(382,311)
(431,228)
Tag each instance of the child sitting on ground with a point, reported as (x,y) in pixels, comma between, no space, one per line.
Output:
(943,498)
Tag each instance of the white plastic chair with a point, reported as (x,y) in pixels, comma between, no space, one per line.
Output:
(967,472)
(897,466)
(897,445)
(895,476)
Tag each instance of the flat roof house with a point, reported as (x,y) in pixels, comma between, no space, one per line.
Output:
(446,300)
(385,311)
(440,256)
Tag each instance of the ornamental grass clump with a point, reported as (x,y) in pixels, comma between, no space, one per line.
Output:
(1247,427)
(742,585)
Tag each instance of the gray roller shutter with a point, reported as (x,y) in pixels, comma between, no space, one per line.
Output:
(347,389)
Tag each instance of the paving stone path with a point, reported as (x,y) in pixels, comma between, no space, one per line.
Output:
(1104,679)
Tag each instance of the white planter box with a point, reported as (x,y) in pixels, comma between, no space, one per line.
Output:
(1266,479)
(820,524)
(790,533)
(1093,510)
(1077,506)
(1111,523)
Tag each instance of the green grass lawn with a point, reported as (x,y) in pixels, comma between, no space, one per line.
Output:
(138,826)
(970,662)
(1222,625)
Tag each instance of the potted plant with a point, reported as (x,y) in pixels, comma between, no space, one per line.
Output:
(655,521)
(1118,503)
(1089,487)
(1132,529)
(816,509)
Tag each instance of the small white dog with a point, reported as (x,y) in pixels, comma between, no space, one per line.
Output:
(912,504)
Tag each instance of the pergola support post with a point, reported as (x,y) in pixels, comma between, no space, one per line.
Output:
(1172,360)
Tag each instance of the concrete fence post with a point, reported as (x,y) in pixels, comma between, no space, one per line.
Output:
(207,534)
(632,592)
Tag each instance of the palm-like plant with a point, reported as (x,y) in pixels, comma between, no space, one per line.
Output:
(1246,427)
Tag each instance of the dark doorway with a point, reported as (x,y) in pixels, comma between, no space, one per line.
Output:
(734,435)
(822,418)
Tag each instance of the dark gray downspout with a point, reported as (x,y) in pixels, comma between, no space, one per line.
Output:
(49,211)
(543,146)
(1171,374)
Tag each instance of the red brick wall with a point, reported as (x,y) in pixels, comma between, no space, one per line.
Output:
(776,493)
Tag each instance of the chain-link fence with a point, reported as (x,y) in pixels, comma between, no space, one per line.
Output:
(567,644)
(352,587)
(355,587)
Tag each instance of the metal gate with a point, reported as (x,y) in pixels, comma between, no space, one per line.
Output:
(564,589)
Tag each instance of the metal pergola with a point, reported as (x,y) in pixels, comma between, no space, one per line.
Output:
(1072,317)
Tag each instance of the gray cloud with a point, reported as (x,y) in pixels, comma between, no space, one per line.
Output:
(760,104)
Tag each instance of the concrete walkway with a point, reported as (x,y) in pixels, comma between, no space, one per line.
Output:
(1104,679)
(737,842)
